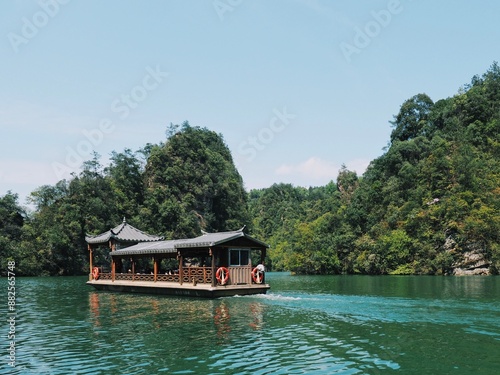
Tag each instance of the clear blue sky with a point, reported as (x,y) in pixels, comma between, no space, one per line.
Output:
(296,87)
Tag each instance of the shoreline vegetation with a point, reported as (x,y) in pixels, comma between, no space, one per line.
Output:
(429,205)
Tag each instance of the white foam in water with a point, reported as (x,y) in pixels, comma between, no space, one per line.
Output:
(271,297)
(278,297)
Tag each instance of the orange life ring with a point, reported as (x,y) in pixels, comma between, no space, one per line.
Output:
(222,275)
(95,273)
(257,275)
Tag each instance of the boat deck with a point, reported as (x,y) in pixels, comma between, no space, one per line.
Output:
(173,288)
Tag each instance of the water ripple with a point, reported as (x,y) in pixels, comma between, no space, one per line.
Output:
(63,327)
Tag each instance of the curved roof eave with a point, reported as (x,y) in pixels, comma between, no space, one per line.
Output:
(123,233)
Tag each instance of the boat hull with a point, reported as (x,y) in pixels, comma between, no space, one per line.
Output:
(175,289)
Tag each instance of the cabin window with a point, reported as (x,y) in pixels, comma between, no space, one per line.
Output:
(238,257)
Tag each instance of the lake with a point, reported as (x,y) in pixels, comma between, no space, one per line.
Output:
(304,325)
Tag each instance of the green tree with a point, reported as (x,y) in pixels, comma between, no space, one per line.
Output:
(192,184)
(412,119)
(311,251)
(12,219)
(125,178)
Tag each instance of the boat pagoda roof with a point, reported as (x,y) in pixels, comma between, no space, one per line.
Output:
(122,233)
(236,238)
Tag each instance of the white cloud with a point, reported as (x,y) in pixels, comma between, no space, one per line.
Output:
(314,168)
(22,177)
(358,165)
(26,172)
(317,171)
(29,118)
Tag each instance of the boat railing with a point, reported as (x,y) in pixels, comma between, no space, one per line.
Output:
(174,278)
(198,275)
(201,275)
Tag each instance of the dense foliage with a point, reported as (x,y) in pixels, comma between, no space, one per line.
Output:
(174,189)
(428,205)
(191,183)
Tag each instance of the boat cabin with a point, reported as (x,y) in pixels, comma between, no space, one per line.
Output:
(211,265)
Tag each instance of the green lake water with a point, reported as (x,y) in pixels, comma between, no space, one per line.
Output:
(304,325)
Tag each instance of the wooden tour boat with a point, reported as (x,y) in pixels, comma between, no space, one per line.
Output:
(211,265)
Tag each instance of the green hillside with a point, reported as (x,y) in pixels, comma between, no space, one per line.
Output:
(429,205)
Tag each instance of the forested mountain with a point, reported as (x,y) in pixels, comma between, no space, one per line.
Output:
(429,205)
(191,183)
(174,189)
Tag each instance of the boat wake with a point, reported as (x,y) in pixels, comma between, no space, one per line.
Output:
(272,297)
